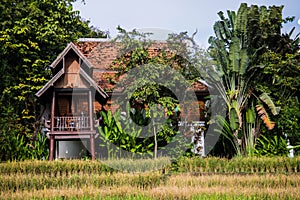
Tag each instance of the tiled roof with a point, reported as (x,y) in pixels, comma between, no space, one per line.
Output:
(102,53)
(61,72)
(199,86)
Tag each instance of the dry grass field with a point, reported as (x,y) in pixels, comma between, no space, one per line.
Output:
(189,179)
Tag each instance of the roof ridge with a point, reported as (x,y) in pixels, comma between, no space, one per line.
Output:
(94,39)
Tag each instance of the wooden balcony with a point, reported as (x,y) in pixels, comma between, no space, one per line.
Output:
(68,127)
(79,123)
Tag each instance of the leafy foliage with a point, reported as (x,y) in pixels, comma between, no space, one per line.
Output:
(225,130)
(281,79)
(32,34)
(121,137)
(17,148)
(242,45)
(275,146)
(117,140)
(145,76)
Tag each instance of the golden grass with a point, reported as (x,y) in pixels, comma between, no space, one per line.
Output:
(241,165)
(183,186)
(210,178)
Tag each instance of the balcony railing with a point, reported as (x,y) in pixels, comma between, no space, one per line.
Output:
(71,123)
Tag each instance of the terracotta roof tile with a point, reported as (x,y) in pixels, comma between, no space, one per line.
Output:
(101,55)
(199,86)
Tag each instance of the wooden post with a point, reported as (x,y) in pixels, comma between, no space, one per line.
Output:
(51,156)
(51,150)
(91,111)
(92,142)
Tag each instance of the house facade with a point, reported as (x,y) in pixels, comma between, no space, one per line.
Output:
(81,85)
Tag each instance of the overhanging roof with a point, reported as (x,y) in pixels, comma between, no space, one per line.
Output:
(64,53)
(61,73)
(50,83)
(93,83)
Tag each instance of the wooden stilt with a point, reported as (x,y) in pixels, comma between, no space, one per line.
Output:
(92,143)
(51,150)
(91,111)
(51,156)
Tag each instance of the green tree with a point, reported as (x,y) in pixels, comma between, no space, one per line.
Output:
(281,79)
(279,54)
(151,95)
(241,41)
(32,34)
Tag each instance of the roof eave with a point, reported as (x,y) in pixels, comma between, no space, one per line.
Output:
(65,51)
(93,84)
(49,83)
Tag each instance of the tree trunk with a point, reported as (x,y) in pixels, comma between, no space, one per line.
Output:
(155,139)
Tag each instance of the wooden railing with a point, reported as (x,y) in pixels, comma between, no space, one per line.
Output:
(71,123)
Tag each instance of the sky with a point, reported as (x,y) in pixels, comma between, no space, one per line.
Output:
(165,16)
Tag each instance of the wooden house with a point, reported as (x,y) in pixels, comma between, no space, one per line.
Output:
(79,87)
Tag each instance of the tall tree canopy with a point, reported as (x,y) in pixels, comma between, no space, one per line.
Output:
(32,34)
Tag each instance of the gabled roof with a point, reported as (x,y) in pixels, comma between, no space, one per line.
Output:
(102,52)
(65,51)
(50,83)
(93,83)
(98,55)
(61,73)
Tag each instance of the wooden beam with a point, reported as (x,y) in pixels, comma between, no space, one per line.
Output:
(73,137)
(64,65)
(92,142)
(51,156)
(52,111)
(51,150)
(91,111)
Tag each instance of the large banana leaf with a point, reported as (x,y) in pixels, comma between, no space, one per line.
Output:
(234,115)
(250,116)
(241,21)
(268,101)
(225,26)
(265,117)
(234,54)
(219,30)
(244,61)
(223,127)
(233,119)
(232,18)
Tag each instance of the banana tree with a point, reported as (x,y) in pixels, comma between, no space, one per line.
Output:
(233,74)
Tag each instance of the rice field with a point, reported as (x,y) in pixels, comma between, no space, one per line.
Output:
(193,178)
